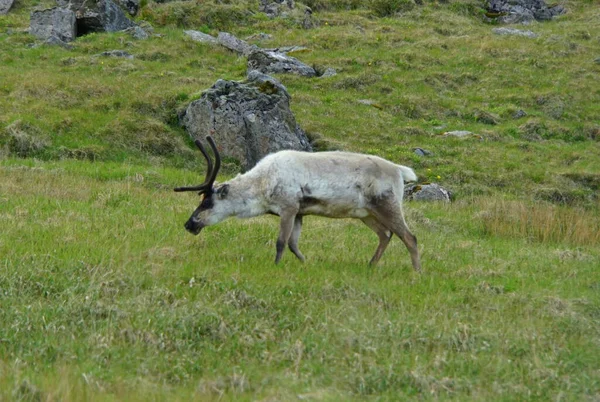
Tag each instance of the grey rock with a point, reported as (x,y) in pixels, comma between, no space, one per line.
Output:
(519,114)
(137,32)
(5,5)
(512,31)
(427,192)
(274,8)
(132,6)
(233,43)
(308,22)
(247,119)
(523,11)
(97,16)
(201,37)
(113,19)
(54,41)
(422,152)
(117,53)
(329,72)
(270,62)
(56,22)
(597,61)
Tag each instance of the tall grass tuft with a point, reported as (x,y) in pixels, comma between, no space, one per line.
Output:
(542,223)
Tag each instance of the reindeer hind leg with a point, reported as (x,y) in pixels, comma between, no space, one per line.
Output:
(293,243)
(390,213)
(384,237)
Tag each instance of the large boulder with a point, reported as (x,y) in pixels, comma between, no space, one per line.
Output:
(275,62)
(247,119)
(53,23)
(5,5)
(522,11)
(97,16)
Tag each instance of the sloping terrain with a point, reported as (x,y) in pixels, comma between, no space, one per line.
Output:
(104,296)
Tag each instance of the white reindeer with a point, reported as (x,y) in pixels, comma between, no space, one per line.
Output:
(293,184)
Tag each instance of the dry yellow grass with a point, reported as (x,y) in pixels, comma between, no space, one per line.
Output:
(541,222)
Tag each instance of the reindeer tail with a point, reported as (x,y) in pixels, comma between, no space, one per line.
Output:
(407,173)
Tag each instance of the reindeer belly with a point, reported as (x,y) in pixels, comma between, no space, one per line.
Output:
(345,208)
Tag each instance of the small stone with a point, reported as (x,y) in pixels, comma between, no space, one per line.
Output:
(422,152)
(427,192)
(272,62)
(117,53)
(329,72)
(137,33)
(519,114)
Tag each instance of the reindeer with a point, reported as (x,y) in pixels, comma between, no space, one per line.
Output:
(294,184)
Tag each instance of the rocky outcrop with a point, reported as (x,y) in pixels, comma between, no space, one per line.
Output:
(97,16)
(74,18)
(104,16)
(5,5)
(247,119)
(53,24)
(522,11)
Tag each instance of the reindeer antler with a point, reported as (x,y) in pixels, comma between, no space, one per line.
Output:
(212,171)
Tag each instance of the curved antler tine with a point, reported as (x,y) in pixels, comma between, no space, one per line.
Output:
(201,188)
(217,166)
(209,164)
(206,186)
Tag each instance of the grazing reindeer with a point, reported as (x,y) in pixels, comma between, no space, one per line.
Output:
(293,184)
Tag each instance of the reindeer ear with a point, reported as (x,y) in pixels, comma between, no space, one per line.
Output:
(223,191)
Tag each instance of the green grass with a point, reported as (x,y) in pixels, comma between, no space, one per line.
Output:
(104,296)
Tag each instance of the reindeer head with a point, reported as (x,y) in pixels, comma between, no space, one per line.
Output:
(212,209)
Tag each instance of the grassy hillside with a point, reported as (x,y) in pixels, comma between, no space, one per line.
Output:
(103,296)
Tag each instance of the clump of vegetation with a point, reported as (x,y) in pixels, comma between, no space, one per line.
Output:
(542,223)
(210,15)
(387,8)
(24,139)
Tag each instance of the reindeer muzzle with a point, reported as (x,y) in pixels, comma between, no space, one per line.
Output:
(193,226)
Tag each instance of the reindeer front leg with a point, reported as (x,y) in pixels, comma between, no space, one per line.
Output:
(286,227)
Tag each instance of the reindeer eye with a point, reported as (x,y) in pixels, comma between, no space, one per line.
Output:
(223,191)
